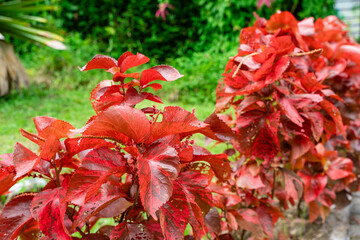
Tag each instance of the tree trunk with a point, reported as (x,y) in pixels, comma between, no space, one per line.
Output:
(12,72)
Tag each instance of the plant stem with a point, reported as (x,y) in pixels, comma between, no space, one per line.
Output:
(57,178)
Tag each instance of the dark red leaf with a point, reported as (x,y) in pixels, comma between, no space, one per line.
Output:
(14,216)
(218,162)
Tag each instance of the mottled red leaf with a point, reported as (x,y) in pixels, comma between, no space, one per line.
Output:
(109,202)
(14,215)
(157,168)
(97,166)
(47,207)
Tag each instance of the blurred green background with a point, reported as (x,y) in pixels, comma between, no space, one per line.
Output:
(196,37)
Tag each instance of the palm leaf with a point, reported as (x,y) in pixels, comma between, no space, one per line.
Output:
(16,21)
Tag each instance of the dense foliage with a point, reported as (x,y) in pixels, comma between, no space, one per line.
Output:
(286,85)
(291,134)
(137,166)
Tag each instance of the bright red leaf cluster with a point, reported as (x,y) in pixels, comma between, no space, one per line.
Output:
(294,89)
(287,85)
(136,166)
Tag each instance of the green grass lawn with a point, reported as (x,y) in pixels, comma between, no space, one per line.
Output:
(19,108)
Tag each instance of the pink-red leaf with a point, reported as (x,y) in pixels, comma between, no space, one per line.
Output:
(161,72)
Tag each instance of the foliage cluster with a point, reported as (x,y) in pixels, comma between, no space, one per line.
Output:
(286,98)
(137,166)
(289,143)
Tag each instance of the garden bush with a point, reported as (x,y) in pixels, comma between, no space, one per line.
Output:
(287,141)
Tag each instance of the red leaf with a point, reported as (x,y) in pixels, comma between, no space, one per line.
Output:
(59,128)
(313,185)
(218,162)
(247,179)
(248,219)
(310,83)
(340,168)
(277,70)
(161,72)
(24,160)
(220,130)
(14,215)
(50,148)
(133,61)
(317,124)
(138,231)
(290,111)
(176,121)
(7,179)
(109,202)
(155,86)
(122,123)
(100,62)
(47,208)
(351,52)
(41,122)
(292,184)
(300,144)
(157,168)
(334,114)
(97,166)
(190,198)
(76,145)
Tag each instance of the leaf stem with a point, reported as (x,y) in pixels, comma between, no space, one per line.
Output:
(57,178)
(242,61)
(319,50)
